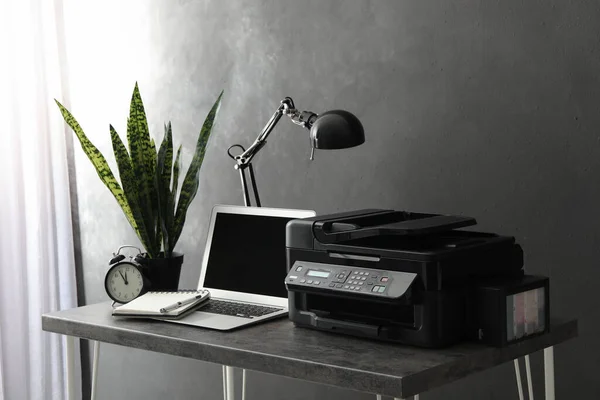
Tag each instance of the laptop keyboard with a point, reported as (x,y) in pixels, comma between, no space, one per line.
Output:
(237,309)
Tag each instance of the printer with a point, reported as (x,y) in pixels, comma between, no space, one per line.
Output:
(412,278)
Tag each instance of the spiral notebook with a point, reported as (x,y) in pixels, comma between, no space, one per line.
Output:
(163,305)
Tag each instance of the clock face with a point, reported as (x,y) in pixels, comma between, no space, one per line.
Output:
(124,282)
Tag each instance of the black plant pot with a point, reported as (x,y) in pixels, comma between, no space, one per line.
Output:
(163,273)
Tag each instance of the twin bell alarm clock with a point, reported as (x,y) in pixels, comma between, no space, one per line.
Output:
(125,279)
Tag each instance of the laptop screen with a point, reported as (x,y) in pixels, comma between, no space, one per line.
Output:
(247,254)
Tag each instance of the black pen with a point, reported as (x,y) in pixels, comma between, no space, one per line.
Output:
(175,306)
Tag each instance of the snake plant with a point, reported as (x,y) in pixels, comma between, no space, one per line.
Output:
(149,178)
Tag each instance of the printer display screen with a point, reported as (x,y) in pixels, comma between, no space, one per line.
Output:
(318,274)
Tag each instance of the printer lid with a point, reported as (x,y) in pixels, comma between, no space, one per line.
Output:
(330,229)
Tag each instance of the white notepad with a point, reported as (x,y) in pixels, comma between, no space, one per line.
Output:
(168,305)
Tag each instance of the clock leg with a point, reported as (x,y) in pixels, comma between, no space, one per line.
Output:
(95,369)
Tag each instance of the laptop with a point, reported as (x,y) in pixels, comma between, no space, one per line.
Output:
(244,267)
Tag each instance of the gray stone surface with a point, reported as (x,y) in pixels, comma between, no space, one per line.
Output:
(277,347)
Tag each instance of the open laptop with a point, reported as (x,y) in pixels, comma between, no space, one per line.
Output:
(244,267)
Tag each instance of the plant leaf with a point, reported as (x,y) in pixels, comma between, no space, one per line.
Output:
(163,178)
(176,168)
(154,194)
(174,186)
(192,178)
(143,160)
(168,158)
(100,164)
(129,185)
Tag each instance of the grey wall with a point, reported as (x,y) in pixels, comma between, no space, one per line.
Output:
(488,109)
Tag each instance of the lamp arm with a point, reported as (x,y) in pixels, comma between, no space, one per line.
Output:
(286,107)
(244,160)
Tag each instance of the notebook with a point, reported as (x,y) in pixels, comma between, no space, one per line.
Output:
(163,305)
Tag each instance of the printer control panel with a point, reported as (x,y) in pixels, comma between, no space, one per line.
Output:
(311,276)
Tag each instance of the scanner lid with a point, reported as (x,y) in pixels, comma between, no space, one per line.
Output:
(337,228)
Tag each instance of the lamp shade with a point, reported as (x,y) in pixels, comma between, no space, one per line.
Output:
(336,129)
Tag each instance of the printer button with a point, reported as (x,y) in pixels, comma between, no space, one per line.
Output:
(363,278)
(302,280)
(361,283)
(384,279)
(366,274)
(317,282)
(339,285)
(361,273)
(381,289)
(375,289)
(351,287)
(299,269)
(332,285)
(309,281)
(346,286)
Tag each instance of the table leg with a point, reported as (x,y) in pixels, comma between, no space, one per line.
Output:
(549,372)
(244,384)
(224,383)
(230,389)
(529,380)
(70,350)
(518,376)
(95,369)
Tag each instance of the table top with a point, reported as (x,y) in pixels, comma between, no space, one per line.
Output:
(277,347)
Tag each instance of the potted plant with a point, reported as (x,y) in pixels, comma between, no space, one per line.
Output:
(148,188)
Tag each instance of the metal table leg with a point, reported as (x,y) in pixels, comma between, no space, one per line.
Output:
(228,383)
(70,350)
(95,369)
(224,382)
(529,380)
(549,372)
(244,384)
(518,376)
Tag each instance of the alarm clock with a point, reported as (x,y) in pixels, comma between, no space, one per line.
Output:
(125,279)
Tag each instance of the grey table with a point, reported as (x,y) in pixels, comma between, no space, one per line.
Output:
(278,348)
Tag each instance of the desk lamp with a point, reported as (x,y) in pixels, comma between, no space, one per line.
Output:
(336,129)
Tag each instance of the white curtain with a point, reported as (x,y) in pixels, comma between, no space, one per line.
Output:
(37,273)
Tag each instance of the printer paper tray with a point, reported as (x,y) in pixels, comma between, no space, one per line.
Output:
(349,327)
(355,311)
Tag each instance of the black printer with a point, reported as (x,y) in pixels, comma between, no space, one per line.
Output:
(412,278)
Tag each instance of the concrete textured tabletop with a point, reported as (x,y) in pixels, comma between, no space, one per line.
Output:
(277,347)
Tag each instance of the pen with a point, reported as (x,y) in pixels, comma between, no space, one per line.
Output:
(175,306)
